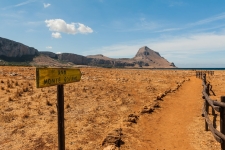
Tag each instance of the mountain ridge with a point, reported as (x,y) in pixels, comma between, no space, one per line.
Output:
(145,57)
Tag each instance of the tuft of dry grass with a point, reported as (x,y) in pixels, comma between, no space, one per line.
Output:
(9,84)
(18,93)
(25,89)
(48,103)
(26,115)
(10,99)
(68,106)
(52,111)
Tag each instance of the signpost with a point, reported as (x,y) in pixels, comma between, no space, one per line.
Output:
(46,77)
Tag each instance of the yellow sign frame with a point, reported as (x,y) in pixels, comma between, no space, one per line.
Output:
(46,77)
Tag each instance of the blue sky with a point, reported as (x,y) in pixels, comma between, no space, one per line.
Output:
(190,33)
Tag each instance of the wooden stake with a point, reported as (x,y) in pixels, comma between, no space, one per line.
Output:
(222,122)
(60,107)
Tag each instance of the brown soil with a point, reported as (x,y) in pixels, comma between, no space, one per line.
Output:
(171,126)
(105,101)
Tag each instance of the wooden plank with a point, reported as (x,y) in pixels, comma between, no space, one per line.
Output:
(217,108)
(217,103)
(56,76)
(222,122)
(217,135)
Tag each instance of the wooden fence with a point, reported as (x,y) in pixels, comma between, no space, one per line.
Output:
(216,106)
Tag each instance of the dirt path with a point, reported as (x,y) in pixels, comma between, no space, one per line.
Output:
(169,127)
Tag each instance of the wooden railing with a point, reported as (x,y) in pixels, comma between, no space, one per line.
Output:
(216,106)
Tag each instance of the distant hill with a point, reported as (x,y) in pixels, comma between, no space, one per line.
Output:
(11,51)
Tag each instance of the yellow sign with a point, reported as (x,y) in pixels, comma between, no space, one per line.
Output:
(56,76)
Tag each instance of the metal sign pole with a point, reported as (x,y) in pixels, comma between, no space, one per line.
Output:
(60,107)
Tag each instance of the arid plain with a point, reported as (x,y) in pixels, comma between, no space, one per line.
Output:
(105,105)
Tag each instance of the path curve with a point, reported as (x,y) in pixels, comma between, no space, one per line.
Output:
(169,127)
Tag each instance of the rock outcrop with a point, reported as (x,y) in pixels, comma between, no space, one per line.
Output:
(49,54)
(148,57)
(74,58)
(14,51)
(145,57)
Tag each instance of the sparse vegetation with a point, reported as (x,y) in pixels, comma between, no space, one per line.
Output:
(26,116)
(10,99)
(110,96)
(48,103)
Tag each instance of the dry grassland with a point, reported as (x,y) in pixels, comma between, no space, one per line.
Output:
(105,102)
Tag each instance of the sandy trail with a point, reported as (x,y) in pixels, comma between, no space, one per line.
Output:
(169,126)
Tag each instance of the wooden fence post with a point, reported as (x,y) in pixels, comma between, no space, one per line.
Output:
(207,111)
(204,78)
(206,102)
(222,122)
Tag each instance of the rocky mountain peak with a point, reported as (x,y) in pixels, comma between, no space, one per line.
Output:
(144,52)
(149,57)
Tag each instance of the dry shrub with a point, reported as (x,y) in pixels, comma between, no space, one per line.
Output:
(25,89)
(26,115)
(38,96)
(10,99)
(9,85)
(8,82)
(16,84)
(8,90)
(40,112)
(2,88)
(52,111)
(29,84)
(18,93)
(68,106)
(8,118)
(48,103)
(2,81)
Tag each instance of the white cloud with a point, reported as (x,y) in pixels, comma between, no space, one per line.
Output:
(178,49)
(48,47)
(20,4)
(84,29)
(59,25)
(46,5)
(56,35)
(58,52)
(208,20)
(24,3)
(197,43)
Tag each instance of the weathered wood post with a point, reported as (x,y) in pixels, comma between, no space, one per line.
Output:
(222,122)
(206,102)
(60,107)
(204,78)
